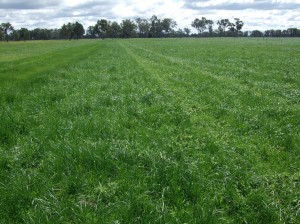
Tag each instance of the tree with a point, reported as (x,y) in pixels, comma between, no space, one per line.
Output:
(1,34)
(187,31)
(238,25)
(196,25)
(256,33)
(180,33)
(35,34)
(42,34)
(15,35)
(292,32)
(246,34)
(267,33)
(78,30)
(91,32)
(39,34)
(223,24)
(278,33)
(155,27)
(64,31)
(128,28)
(54,34)
(24,34)
(71,30)
(272,33)
(143,27)
(115,30)
(283,34)
(67,30)
(102,28)
(200,25)
(168,25)
(210,24)
(7,28)
(231,27)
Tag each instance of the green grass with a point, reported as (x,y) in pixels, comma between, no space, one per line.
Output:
(150,131)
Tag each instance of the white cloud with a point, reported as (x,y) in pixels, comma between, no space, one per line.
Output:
(257,14)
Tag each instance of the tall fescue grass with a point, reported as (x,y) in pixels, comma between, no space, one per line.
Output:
(150,131)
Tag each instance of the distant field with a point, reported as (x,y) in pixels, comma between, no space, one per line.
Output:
(150,131)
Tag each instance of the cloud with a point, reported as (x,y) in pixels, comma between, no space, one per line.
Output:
(256,14)
(241,5)
(24,4)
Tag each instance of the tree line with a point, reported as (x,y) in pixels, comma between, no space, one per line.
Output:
(143,28)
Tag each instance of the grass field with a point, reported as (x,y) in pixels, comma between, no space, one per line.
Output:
(150,131)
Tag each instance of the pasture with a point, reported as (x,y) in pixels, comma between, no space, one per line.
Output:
(150,131)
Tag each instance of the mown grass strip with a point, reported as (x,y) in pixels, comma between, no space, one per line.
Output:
(35,65)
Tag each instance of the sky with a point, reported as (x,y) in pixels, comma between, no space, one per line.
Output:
(256,14)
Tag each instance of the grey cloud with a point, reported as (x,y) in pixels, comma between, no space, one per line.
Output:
(24,4)
(92,9)
(257,5)
(69,13)
(294,19)
(95,4)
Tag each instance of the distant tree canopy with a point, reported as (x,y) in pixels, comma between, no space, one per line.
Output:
(24,34)
(1,34)
(72,30)
(6,29)
(153,27)
(200,24)
(128,28)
